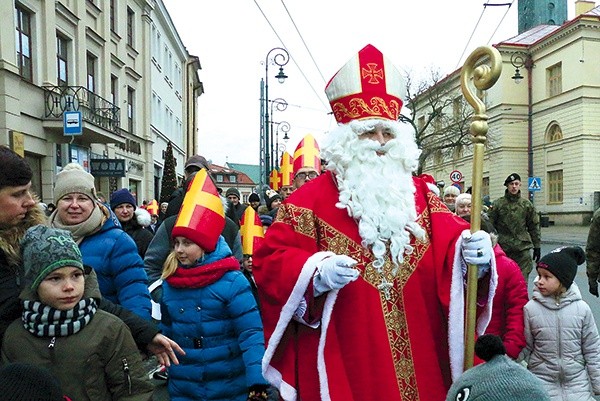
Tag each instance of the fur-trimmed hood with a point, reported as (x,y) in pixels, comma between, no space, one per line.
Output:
(10,237)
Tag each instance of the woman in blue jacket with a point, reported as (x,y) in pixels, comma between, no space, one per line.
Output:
(105,247)
(208,307)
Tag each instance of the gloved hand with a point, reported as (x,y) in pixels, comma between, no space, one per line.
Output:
(593,287)
(537,254)
(477,247)
(333,273)
(258,392)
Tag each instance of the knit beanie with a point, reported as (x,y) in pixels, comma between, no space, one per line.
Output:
(15,170)
(45,249)
(122,196)
(253,197)
(562,263)
(23,382)
(271,196)
(498,379)
(233,191)
(266,220)
(74,179)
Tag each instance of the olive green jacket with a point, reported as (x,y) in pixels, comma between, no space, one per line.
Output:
(517,223)
(592,249)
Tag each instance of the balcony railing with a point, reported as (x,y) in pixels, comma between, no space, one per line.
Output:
(94,109)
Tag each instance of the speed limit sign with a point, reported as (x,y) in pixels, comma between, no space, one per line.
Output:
(456,176)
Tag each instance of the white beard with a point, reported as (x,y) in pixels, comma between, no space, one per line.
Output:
(377,190)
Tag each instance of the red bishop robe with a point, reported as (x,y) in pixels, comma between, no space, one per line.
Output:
(364,346)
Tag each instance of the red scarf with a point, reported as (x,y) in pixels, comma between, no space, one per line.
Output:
(203,275)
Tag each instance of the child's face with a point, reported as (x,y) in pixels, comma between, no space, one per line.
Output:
(547,283)
(63,288)
(187,252)
(247,263)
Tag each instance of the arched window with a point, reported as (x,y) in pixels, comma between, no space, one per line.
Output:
(554,133)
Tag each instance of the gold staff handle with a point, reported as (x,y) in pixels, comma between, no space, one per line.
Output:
(484,77)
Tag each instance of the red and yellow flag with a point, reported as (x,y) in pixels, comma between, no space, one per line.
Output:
(152,207)
(307,155)
(251,231)
(286,169)
(201,218)
(275,180)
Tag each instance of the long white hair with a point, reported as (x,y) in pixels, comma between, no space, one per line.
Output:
(375,184)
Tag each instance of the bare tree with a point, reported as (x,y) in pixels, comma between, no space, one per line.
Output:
(443,118)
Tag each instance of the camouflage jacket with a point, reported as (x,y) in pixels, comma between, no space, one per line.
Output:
(517,223)
(592,248)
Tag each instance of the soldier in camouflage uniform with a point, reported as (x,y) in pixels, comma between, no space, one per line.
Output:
(592,253)
(518,225)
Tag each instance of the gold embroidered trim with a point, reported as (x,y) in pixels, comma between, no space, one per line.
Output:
(357,107)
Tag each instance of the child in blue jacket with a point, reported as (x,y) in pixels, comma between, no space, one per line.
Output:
(207,306)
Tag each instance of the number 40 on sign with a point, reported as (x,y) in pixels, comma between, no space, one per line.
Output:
(456,176)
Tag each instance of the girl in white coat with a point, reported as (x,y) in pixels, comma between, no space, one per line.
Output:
(563,347)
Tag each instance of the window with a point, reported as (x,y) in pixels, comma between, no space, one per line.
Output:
(23,42)
(113,16)
(219,178)
(130,26)
(130,107)
(458,151)
(62,61)
(438,157)
(421,123)
(485,186)
(554,75)
(114,90)
(91,73)
(555,133)
(555,186)
(457,108)
(232,178)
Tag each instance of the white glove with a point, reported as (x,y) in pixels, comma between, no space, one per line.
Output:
(477,247)
(333,273)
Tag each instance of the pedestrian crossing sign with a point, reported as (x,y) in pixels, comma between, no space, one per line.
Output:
(534,184)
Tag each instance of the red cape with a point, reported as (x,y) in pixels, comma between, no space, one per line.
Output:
(370,348)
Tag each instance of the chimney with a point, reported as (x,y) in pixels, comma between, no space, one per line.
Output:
(583,6)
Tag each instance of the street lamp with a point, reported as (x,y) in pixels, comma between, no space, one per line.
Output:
(280,57)
(284,127)
(278,104)
(519,60)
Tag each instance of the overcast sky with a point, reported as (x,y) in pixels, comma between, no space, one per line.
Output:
(232,39)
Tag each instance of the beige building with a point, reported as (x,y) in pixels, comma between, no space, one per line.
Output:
(546,126)
(61,60)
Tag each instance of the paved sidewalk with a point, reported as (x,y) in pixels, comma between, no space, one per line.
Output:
(567,235)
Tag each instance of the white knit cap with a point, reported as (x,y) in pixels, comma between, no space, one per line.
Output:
(74,179)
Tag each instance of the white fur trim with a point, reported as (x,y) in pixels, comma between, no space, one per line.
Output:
(286,390)
(456,318)
(142,216)
(433,188)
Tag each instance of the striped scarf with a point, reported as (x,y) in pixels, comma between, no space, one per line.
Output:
(45,321)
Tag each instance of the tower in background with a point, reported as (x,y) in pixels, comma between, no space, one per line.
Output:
(541,12)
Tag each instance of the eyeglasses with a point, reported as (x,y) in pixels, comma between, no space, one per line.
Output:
(311,174)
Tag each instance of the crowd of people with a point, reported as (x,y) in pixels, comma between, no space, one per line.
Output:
(344,281)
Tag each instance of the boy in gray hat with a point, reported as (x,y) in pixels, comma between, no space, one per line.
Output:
(89,351)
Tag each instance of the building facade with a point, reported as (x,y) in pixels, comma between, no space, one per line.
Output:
(87,60)
(546,127)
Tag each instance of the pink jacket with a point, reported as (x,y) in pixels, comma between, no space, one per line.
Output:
(507,309)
